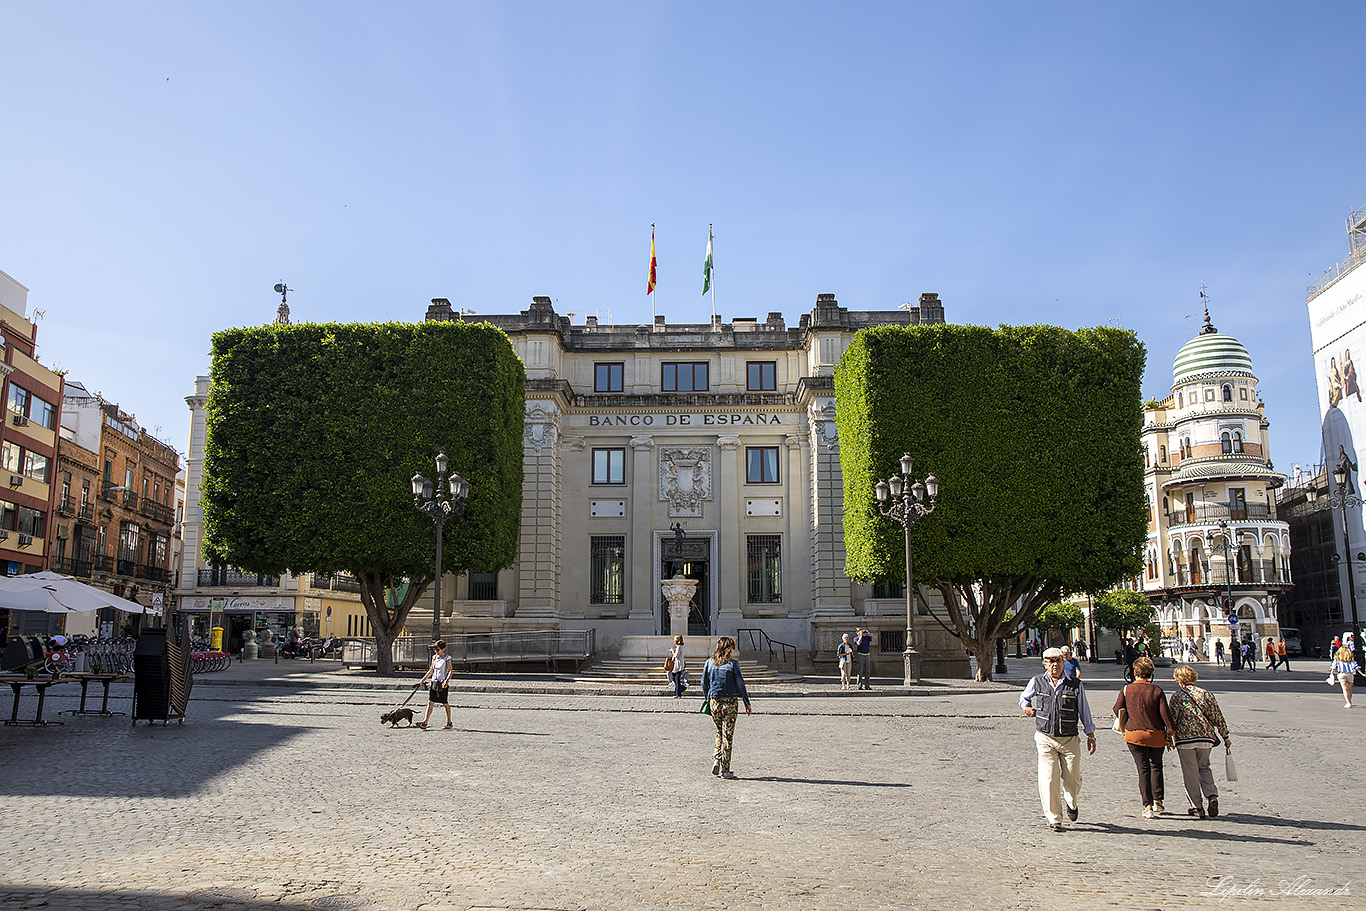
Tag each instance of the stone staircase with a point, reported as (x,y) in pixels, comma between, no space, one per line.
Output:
(649,671)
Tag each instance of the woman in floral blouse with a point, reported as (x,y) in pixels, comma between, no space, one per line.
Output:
(1199,727)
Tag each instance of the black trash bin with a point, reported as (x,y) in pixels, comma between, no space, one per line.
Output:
(22,651)
(161,675)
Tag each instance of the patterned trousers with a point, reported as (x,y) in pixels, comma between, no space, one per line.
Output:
(724,711)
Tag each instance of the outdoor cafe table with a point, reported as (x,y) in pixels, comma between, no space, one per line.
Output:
(85,679)
(17,682)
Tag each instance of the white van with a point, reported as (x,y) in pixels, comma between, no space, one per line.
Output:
(1292,641)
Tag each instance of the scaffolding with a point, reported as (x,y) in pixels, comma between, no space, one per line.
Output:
(1356,254)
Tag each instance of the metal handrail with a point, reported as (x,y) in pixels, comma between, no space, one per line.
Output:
(481,648)
(772,645)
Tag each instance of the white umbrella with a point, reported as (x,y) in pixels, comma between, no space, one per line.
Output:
(58,594)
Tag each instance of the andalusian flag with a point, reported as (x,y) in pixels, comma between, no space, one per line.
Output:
(650,286)
(706,265)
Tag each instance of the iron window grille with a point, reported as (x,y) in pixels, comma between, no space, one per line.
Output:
(483,586)
(607,568)
(764,568)
(889,588)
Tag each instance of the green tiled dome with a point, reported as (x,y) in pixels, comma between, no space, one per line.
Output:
(1210,352)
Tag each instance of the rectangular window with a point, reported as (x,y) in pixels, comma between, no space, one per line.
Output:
(685,377)
(607,568)
(608,377)
(764,568)
(41,412)
(761,465)
(889,588)
(128,543)
(762,376)
(35,466)
(11,457)
(1237,503)
(609,466)
(31,522)
(1209,395)
(9,516)
(483,586)
(18,399)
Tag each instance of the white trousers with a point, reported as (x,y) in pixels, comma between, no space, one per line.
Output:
(1059,774)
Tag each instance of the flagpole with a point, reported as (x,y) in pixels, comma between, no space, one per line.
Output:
(653,316)
(713,275)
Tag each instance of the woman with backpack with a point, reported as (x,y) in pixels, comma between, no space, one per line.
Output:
(723,687)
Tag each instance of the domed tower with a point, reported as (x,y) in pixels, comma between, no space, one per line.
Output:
(1215,544)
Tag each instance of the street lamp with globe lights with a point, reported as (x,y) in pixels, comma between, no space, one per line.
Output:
(440,504)
(906,501)
(1226,545)
(1346,498)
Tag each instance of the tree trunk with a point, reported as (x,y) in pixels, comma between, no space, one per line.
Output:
(387,622)
(985,655)
(991,611)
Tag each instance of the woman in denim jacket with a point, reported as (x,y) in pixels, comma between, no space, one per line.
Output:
(724,686)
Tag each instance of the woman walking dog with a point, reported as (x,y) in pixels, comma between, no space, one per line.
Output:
(440,676)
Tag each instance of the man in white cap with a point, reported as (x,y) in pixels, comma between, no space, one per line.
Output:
(1057,703)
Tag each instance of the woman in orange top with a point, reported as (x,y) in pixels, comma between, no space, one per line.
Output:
(1147,732)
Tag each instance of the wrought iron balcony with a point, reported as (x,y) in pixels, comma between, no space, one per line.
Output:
(231,576)
(1213,513)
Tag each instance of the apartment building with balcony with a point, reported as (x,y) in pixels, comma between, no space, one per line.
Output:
(28,438)
(1215,540)
(115,499)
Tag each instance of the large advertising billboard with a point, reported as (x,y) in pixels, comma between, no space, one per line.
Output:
(1337,327)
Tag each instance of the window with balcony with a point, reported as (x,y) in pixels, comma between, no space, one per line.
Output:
(609,466)
(685,377)
(608,377)
(889,588)
(1237,503)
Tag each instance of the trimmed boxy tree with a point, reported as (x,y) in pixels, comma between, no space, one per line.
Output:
(314,434)
(1033,432)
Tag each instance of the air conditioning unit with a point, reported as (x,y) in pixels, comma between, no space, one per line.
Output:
(20,420)
(16,480)
(25,540)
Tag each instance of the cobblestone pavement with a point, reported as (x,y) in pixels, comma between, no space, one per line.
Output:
(283,792)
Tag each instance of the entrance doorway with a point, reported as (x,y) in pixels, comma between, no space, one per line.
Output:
(695,555)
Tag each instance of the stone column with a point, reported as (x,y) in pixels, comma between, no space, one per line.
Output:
(679,591)
(729,560)
(538,578)
(640,546)
(192,527)
(832,609)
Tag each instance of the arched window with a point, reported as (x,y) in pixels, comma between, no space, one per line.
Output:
(1228,393)
(1180,400)
(1166,510)
(1237,441)
(1226,441)
(1162,454)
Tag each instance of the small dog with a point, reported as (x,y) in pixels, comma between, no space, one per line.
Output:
(393,718)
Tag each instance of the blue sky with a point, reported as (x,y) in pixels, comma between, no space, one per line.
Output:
(163,165)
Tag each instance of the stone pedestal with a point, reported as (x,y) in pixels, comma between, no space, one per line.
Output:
(249,649)
(678,591)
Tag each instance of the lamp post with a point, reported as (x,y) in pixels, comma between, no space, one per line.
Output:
(1346,498)
(1091,656)
(1226,544)
(909,502)
(439,505)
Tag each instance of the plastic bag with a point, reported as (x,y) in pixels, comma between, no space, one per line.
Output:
(1230,770)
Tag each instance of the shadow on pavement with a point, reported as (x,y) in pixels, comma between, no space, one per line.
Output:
(205,899)
(110,757)
(1251,819)
(834,781)
(1187,832)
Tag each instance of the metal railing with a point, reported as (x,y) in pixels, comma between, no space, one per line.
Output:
(158,511)
(1211,514)
(549,646)
(338,582)
(87,511)
(756,640)
(67,507)
(223,575)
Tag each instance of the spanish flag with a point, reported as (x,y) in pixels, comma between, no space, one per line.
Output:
(650,286)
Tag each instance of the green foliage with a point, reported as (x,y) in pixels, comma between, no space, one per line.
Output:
(314,432)
(1061,617)
(1122,610)
(1034,434)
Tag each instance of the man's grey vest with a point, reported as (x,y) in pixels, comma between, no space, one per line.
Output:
(1056,717)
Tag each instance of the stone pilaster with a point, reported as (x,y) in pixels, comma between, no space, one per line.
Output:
(538,570)
(641,541)
(192,524)
(798,556)
(729,561)
(831,586)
